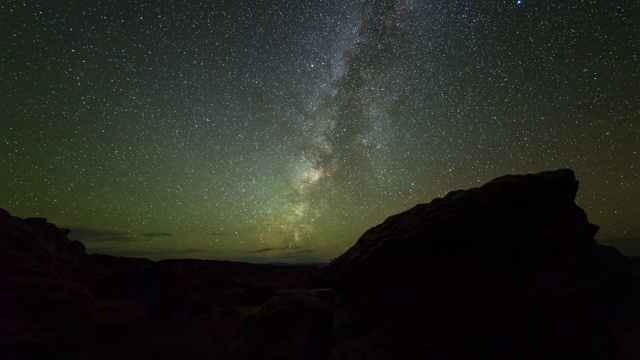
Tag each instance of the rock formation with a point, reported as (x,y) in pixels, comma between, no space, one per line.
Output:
(294,324)
(44,310)
(507,270)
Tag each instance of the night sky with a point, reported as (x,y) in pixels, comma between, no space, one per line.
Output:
(282,130)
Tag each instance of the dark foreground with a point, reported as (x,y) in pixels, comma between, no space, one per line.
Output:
(178,309)
(507,270)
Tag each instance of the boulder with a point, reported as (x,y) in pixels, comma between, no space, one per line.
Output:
(294,324)
(507,270)
(44,310)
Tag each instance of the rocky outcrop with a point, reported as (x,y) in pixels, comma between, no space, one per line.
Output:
(507,270)
(294,324)
(44,310)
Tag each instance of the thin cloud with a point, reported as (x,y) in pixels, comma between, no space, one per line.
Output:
(107,235)
(290,255)
(110,238)
(155,234)
(93,233)
(291,247)
(285,251)
(154,254)
(267,249)
(100,235)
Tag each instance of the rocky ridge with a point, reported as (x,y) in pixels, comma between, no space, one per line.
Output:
(44,308)
(507,270)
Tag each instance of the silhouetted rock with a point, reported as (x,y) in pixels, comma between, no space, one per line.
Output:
(255,295)
(163,294)
(294,324)
(44,310)
(229,311)
(507,270)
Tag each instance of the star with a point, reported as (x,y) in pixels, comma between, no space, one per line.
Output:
(288,125)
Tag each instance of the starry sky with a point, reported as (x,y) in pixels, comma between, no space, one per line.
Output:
(282,130)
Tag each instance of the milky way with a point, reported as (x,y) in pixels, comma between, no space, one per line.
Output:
(345,119)
(281,131)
